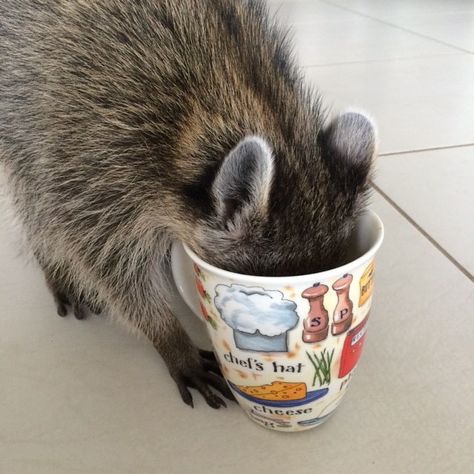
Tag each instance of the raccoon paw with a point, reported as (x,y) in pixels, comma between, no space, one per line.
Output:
(79,307)
(203,372)
(62,307)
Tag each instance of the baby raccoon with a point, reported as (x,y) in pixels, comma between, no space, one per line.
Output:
(125,125)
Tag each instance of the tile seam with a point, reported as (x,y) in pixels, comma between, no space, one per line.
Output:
(421,150)
(423,232)
(401,28)
(381,61)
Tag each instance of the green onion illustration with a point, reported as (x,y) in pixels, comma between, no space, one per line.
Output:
(322,366)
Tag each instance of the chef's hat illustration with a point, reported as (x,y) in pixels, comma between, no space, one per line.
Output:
(252,309)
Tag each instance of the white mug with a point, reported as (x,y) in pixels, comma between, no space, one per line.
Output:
(287,346)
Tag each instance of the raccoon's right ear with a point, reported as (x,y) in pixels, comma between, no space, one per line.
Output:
(243,182)
(348,145)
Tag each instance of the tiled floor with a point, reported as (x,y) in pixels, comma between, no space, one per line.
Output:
(87,397)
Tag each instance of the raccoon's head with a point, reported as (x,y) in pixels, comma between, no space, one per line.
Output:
(279,216)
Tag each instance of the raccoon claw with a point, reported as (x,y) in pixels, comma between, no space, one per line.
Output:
(209,362)
(211,366)
(203,375)
(79,308)
(61,302)
(200,383)
(63,298)
(183,391)
(208,355)
(201,386)
(61,309)
(218,382)
(78,311)
(213,374)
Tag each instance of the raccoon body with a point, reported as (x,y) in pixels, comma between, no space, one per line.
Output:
(125,125)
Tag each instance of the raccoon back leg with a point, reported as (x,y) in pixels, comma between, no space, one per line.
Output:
(65,296)
(60,298)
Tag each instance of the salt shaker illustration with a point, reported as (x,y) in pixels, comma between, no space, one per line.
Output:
(316,324)
(342,316)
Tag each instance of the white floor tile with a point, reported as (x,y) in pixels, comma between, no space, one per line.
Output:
(398,8)
(359,39)
(451,22)
(435,189)
(308,12)
(86,397)
(417,103)
(456,28)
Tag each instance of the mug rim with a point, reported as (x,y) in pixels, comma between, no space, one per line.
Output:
(295,279)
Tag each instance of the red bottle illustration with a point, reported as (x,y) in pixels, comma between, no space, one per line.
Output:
(316,324)
(352,348)
(342,316)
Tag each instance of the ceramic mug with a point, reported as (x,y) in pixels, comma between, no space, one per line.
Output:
(287,346)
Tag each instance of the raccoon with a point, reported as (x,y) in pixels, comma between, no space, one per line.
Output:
(126,125)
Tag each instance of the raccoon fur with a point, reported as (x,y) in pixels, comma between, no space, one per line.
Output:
(127,124)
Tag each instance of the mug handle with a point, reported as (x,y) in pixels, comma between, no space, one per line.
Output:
(183,274)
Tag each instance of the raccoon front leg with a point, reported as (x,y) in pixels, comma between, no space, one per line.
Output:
(190,367)
(141,295)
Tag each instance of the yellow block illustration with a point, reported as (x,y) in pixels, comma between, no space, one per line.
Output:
(366,284)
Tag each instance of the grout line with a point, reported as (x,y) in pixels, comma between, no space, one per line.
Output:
(393,25)
(423,232)
(417,150)
(384,60)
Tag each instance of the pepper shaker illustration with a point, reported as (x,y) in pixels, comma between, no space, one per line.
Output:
(342,316)
(316,324)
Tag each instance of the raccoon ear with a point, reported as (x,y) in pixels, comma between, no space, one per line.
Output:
(348,145)
(244,179)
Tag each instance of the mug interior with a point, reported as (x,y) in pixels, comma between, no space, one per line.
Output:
(365,236)
(363,244)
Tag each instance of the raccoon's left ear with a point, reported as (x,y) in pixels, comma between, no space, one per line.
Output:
(243,182)
(348,145)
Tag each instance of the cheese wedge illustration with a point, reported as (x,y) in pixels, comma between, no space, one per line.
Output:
(276,391)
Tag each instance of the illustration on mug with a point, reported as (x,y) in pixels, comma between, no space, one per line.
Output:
(366,283)
(199,277)
(352,348)
(279,394)
(322,366)
(342,316)
(260,319)
(204,296)
(324,412)
(207,317)
(270,421)
(316,323)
